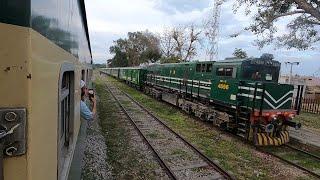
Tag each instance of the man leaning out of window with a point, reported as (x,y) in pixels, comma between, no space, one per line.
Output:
(85,111)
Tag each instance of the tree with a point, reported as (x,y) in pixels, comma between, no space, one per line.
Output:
(186,39)
(138,48)
(120,58)
(303,29)
(179,43)
(239,53)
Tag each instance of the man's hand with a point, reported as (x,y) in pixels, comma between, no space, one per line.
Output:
(93,100)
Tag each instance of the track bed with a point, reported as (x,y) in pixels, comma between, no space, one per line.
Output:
(177,157)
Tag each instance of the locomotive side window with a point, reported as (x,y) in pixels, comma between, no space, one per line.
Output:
(209,68)
(203,68)
(229,72)
(226,72)
(198,68)
(220,72)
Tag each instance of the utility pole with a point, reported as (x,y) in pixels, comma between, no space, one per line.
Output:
(291,65)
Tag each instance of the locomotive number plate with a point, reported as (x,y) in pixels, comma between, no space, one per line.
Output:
(223,86)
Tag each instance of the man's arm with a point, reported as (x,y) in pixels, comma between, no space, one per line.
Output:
(85,111)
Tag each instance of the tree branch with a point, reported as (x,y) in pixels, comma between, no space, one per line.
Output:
(303,4)
(289,13)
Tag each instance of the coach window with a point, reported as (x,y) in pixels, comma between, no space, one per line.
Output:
(66,116)
(83,75)
(66,107)
(87,77)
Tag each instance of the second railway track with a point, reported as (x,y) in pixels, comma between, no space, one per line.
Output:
(179,158)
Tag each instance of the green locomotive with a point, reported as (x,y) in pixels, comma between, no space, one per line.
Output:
(239,95)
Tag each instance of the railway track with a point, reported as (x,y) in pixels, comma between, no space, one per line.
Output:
(300,159)
(179,158)
(288,147)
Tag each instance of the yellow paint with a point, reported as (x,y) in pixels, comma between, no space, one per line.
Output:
(26,52)
(223,85)
(265,140)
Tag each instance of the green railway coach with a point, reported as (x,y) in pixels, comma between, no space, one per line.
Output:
(131,75)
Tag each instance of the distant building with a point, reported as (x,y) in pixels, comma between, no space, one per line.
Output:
(312,84)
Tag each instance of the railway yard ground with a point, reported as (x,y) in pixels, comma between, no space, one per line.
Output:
(310,131)
(115,149)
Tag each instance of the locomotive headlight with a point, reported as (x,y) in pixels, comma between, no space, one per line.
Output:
(291,116)
(274,117)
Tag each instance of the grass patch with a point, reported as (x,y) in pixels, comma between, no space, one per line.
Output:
(153,135)
(309,120)
(126,161)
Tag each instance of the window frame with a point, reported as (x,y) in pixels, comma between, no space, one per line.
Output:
(232,69)
(65,123)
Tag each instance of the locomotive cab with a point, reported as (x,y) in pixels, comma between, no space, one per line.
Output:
(268,102)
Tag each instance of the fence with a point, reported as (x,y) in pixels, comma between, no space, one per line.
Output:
(310,105)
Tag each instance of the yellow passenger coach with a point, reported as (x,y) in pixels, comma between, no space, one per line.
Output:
(44,52)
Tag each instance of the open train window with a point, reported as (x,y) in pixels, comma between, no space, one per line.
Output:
(83,75)
(209,68)
(66,114)
(66,107)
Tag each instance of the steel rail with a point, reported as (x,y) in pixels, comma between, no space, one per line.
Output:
(290,162)
(206,158)
(160,160)
(304,152)
(217,167)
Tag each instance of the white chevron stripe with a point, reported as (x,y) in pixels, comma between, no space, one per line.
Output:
(277,101)
(271,105)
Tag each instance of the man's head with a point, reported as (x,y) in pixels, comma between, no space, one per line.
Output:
(84,89)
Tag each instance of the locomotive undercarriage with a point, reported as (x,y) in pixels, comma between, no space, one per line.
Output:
(235,120)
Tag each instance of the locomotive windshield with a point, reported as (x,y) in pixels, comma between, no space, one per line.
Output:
(261,70)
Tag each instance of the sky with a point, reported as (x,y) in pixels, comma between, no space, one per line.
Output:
(109,20)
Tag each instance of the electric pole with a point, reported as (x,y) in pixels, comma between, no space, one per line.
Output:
(291,65)
(211,26)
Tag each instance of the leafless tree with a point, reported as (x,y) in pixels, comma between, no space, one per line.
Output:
(180,42)
(167,43)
